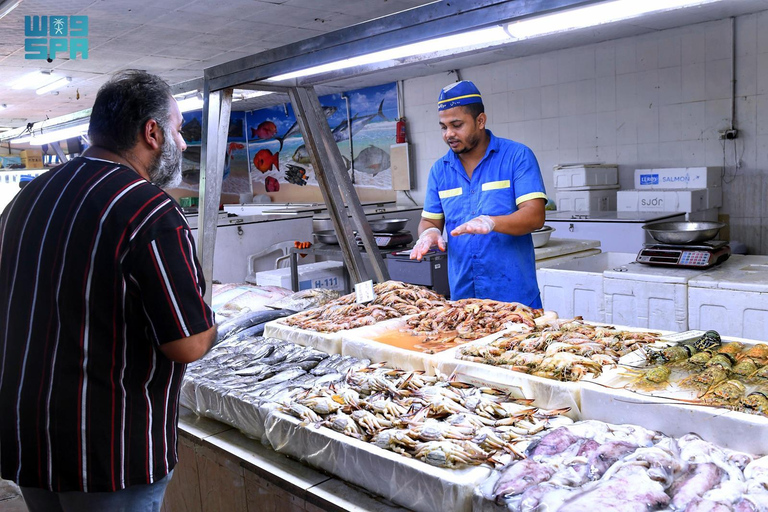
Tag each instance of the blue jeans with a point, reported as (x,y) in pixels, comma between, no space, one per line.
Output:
(136,498)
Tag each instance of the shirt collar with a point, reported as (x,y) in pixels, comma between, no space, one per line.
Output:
(493,146)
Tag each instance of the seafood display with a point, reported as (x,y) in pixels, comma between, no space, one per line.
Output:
(258,369)
(394,299)
(565,350)
(231,300)
(707,372)
(306,299)
(472,318)
(432,419)
(591,465)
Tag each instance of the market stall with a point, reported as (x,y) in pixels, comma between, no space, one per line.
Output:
(536,411)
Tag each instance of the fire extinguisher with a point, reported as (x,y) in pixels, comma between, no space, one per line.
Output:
(400,136)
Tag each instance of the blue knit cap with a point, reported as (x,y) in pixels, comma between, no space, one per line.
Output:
(457,94)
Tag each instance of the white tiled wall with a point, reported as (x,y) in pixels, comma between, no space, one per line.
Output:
(656,100)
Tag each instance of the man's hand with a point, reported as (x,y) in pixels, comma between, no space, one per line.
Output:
(481,225)
(428,239)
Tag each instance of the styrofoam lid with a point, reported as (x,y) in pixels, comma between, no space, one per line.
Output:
(579,166)
(640,272)
(739,272)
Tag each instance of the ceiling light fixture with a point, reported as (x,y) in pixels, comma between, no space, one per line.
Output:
(489,35)
(33,80)
(592,15)
(53,136)
(54,85)
(570,19)
(194,100)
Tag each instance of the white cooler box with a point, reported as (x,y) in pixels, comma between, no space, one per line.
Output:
(678,177)
(648,297)
(596,199)
(324,274)
(732,298)
(669,200)
(576,287)
(580,176)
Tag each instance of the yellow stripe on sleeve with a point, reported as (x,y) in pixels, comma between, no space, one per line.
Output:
(434,216)
(532,195)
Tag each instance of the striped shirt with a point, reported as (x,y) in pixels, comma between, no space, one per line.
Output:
(97,269)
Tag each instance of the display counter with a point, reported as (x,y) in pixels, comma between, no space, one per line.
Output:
(221,469)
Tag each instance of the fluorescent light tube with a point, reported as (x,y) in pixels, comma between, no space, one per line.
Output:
(53,136)
(54,85)
(483,36)
(591,15)
(191,103)
(7,6)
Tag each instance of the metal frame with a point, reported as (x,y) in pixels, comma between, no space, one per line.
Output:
(415,25)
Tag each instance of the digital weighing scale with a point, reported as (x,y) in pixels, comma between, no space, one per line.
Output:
(701,255)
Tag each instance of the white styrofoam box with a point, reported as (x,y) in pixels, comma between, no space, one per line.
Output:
(710,215)
(693,200)
(729,429)
(678,177)
(324,274)
(647,296)
(732,298)
(599,199)
(581,176)
(576,287)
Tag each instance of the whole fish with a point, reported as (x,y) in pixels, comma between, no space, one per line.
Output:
(265,130)
(265,159)
(328,111)
(301,155)
(249,319)
(372,160)
(342,132)
(281,377)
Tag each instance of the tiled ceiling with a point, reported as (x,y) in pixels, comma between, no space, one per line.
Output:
(176,39)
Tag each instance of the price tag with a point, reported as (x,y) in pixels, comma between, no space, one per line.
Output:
(364,292)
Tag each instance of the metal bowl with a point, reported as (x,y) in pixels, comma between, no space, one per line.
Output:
(541,236)
(387,225)
(326,237)
(683,232)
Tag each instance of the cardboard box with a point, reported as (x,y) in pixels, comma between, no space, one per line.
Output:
(598,199)
(324,274)
(677,178)
(669,200)
(585,176)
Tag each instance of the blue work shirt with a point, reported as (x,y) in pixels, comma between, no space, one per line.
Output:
(493,266)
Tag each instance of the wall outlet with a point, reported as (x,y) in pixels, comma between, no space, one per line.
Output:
(728,134)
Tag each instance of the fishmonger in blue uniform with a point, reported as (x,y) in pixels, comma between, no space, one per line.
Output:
(489,194)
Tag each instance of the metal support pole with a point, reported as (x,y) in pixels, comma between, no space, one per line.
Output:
(336,186)
(59,152)
(216,109)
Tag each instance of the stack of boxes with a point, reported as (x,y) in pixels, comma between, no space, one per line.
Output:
(586,187)
(32,158)
(696,191)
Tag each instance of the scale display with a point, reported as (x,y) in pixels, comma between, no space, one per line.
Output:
(686,256)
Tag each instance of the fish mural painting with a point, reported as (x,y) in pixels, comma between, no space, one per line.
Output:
(264,160)
(363,138)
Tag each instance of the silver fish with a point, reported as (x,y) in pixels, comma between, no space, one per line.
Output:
(372,160)
(341,132)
